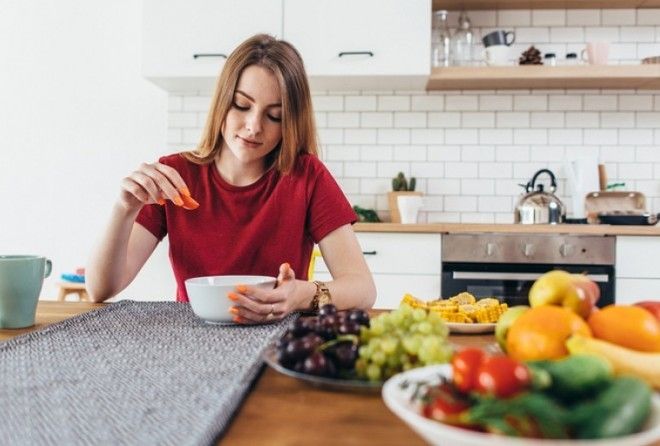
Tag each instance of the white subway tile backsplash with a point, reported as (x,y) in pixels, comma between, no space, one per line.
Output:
(444,119)
(513,17)
(343,120)
(530,136)
(583,17)
(530,102)
(409,153)
(601,33)
(478,153)
(376,119)
(548,119)
(478,119)
(617,119)
(650,119)
(360,103)
(548,17)
(470,149)
(600,136)
(393,103)
(512,153)
(444,186)
(361,136)
(618,16)
(566,34)
(360,169)
(476,187)
(427,136)
(637,34)
(377,153)
(328,103)
(636,170)
(462,103)
(410,120)
(638,102)
(496,136)
(428,103)
(638,137)
(650,16)
(443,153)
(604,102)
(461,136)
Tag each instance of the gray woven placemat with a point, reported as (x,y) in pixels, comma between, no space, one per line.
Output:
(129,373)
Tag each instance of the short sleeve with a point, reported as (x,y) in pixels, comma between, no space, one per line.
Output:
(329,208)
(152,217)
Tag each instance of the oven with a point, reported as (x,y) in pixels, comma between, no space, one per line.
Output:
(506,265)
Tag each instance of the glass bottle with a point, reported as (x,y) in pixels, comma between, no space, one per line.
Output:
(462,42)
(440,40)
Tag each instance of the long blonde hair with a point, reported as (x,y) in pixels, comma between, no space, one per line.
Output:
(298,128)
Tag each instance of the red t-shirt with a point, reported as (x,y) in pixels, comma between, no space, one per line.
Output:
(247,229)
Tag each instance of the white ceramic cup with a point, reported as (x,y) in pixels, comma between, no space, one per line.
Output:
(208,295)
(596,53)
(409,206)
(497,55)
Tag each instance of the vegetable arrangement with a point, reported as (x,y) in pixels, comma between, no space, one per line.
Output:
(576,397)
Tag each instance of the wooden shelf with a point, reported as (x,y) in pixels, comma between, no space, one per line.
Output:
(470,5)
(621,77)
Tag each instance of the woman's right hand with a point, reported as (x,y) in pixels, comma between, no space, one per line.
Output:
(152,183)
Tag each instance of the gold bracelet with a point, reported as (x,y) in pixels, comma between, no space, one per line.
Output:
(321,297)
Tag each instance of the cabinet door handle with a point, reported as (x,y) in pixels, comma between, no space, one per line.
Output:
(356,53)
(197,56)
(369,253)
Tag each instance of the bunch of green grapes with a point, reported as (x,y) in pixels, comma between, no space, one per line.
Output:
(401,340)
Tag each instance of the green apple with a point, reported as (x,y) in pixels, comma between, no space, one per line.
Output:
(505,321)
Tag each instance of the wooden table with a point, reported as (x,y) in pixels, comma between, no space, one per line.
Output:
(284,411)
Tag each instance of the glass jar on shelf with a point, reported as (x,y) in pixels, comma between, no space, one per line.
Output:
(571,59)
(440,40)
(550,59)
(462,42)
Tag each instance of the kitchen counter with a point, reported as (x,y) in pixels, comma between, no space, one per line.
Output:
(458,228)
(283,410)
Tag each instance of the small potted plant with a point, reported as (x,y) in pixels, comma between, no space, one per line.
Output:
(400,186)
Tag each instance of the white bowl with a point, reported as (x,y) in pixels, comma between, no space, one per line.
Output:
(436,433)
(208,295)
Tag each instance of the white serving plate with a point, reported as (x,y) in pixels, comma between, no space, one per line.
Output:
(436,433)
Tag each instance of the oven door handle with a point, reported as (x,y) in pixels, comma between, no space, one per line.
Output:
(600,278)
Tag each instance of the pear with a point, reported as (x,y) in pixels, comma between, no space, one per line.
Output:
(504,323)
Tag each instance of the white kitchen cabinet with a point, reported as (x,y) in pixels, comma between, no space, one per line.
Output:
(400,263)
(362,44)
(183,40)
(637,269)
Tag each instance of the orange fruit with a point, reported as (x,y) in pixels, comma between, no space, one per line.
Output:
(541,333)
(627,325)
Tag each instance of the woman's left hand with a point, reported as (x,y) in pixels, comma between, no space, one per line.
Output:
(254,305)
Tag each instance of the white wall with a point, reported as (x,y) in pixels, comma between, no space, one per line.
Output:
(75,117)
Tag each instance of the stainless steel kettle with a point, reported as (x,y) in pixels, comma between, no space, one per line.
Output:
(538,206)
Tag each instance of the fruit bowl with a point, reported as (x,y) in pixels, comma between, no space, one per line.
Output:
(353,385)
(399,401)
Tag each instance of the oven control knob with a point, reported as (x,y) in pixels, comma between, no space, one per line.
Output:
(490,249)
(566,250)
(528,249)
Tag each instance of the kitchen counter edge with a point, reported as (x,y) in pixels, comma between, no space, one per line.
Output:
(458,228)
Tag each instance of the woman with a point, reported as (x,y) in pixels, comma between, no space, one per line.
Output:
(264,199)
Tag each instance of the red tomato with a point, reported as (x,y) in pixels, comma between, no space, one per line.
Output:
(445,404)
(465,367)
(502,376)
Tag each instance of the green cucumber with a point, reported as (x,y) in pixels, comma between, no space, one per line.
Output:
(620,409)
(575,377)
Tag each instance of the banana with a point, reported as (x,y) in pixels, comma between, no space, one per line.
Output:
(643,365)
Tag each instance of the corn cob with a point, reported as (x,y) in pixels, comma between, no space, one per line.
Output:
(413,301)
(463,298)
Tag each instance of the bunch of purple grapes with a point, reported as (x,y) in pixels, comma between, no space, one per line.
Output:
(324,345)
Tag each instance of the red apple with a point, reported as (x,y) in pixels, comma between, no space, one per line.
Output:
(652,306)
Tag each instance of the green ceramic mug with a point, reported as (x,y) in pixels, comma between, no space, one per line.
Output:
(21,278)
